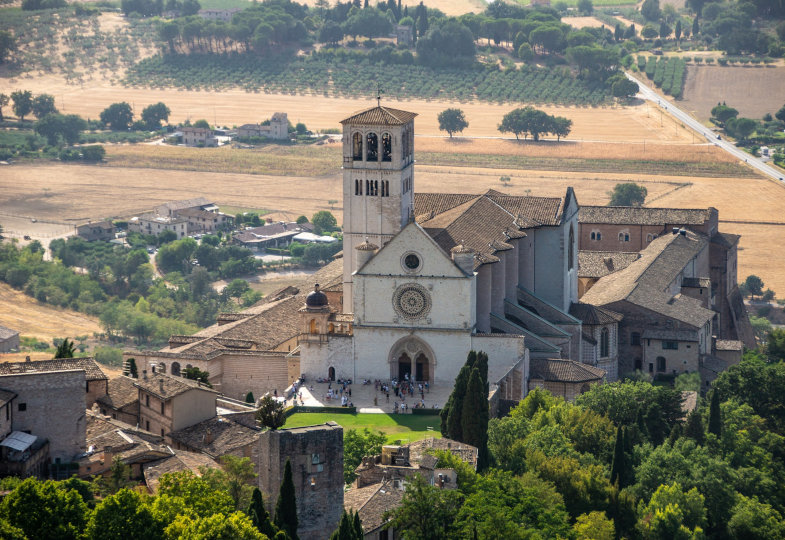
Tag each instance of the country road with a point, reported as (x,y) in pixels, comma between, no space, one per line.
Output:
(648,93)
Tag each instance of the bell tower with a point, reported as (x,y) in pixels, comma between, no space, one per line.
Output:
(378,182)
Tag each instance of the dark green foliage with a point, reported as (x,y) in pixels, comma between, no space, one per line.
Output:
(357,445)
(528,120)
(474,419)
(43,104)
(426,512)
(132,369)
(723,113)
(628,194)
(123,515)
(249,397)
(23,103)
(153,115)
(118,116)
(58,127)
(452,121)
(348,527)
(715,415)
(271,412)
(259,515)
(453,410)
(7,46)
(323,222)
(65,349)
(620,467)
(286,506)
(45,510)
(196,374)
(694,428)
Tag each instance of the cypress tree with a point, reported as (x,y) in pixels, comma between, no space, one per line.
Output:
(619,459)
(249,397)
(286,506)
(65,349)
(675,435)
(358,527)
(259,516)
(715,416)
(482,366)
(471,359)
(344,530)
(694,428)
(454,422)
(474,421)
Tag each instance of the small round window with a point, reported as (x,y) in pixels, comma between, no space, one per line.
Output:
(411,262)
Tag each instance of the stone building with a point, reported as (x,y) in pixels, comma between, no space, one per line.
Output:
(563,378)
(98,230)
(96,381)
(168,404)
(217,437)
(276,128)
(9,340)
(196,136)
(316,456)
(121,401)
(201,221)
(151,223)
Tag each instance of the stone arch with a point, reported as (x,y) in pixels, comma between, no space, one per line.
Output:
(416,352)
(161,368)
(176,369)
(372,147)
(331,374)
(386,147)
(357,147)
(331,329)
(312,329)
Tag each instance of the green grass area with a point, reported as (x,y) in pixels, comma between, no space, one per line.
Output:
(396,426)
(642,166)
(234,210)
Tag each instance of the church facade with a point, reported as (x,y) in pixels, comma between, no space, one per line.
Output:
(429,277)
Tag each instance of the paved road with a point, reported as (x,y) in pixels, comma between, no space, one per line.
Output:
(649,94)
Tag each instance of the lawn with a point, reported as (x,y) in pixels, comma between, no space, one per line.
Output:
(396,426)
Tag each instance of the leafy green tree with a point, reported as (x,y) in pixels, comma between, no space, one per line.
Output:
(180,490)
(649,32)
(122,515)
(450,43)
(323,221)
(154,114)
(118,116)
(426,512)
(474,417)
(780,114)
(169,32)
(665,30)
(754,285)
(453,410)
(236,288)
(753,519)
(57,126)
(43,104)
(687,382)
(286,506)
(694,428)
(132,370)
(271,412)
(249,398)
(594,526)
(673,513)
(5,99)
(65,349)
(9,532)
(620,469)
(331,33)
(45,510)
(677,31)
(235,477)
(235,526)
(741,127)
(357,445)
(547,38)
(650,9)
(346,529)
(525,52)
(627,194)
(775,345)
(723,113)
(452,121)
(586,7)
(196,374)
(23,103)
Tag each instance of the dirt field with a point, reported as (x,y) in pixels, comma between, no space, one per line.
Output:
(233,107)
(583,22)
(754,91)
(44,322)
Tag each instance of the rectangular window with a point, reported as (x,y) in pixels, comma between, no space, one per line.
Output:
(22,407)
(162,407)
(635,339)
(147,425)
(660,364)
(147,401)
(670,345)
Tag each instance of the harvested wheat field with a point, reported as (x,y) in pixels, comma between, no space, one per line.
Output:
(237,107)
(583,22)
(754,91)
(42,321)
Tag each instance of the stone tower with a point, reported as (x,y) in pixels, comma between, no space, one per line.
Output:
(378,182)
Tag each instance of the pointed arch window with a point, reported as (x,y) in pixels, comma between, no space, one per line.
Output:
(372,145)
(386,147)
(604,343)
(357,147)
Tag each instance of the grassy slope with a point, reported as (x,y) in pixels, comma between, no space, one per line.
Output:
(398,426)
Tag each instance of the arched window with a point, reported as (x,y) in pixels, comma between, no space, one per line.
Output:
(599,235)
(176,369)
(593,236)
(621,237)
(161,368)
(571,249)
(626,237)
(372,145)
(331,373)
(604,343)
(367,188)
(375,188)
(386,147)
(357,187)
(357,147)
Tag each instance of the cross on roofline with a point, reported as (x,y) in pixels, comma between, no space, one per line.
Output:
(378,95)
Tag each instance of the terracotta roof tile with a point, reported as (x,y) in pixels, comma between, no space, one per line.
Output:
(216,436)
(90,367)
(121,393)
(638,215)
(166,387)
(596,264)
(180,461)
(559,370)
(594,315)
(6,333)
(380,116)
(372,502)
(729,345)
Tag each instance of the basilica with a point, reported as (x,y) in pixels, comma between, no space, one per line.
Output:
(424,278)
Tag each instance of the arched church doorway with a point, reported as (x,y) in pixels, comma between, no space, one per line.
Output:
(412,357)
(331,373)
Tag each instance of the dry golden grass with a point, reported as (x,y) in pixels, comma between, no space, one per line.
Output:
(44,322)
(583,22)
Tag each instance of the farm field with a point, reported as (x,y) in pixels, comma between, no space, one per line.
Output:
(237,107)
(583,22)
(396,426)
(753,91)
(42,321)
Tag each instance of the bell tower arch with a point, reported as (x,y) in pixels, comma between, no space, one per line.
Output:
(378,182)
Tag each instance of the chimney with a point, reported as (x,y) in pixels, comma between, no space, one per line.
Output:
(144,374)
(208,436)
(464,258)
(365,252)
(108,453)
